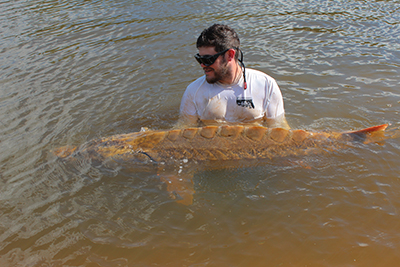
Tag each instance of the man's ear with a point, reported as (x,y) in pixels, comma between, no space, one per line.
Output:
(231,54)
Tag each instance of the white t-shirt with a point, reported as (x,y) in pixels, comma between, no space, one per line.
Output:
(231,103)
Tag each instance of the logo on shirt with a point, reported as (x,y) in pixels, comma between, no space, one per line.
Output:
(246,103)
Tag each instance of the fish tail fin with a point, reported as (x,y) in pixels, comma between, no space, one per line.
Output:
(370,134)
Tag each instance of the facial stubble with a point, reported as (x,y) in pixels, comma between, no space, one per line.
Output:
(218,75)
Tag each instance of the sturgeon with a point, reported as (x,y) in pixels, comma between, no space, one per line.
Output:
(213,144)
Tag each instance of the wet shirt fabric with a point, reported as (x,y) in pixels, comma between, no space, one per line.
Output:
(231,103)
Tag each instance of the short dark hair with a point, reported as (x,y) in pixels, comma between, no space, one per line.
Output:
(219,36)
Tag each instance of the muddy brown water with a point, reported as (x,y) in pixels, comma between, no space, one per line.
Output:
(73,70)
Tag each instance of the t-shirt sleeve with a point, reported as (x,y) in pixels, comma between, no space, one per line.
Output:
(274,103)
(188,107)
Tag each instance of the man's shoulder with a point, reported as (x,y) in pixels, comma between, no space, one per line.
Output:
(199,81)
(193,86)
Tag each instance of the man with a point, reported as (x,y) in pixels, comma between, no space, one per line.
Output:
(228,92)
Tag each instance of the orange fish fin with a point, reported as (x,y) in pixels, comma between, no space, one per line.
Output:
(180,188)
(370,129)
(370,134)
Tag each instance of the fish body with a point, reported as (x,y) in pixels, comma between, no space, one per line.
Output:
(214,146)
(214,143)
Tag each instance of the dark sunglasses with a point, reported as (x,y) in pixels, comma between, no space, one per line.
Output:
(208,60)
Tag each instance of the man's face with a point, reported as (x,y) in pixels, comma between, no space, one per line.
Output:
(218,70)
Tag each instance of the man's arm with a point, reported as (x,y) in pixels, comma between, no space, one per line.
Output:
(188,116)
(186,120)
(279,122)
(274,107)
